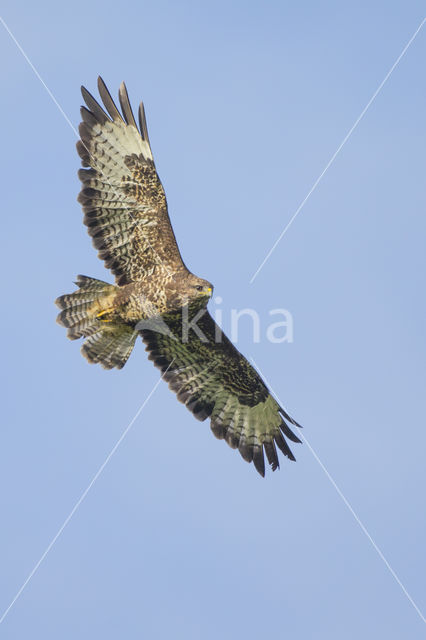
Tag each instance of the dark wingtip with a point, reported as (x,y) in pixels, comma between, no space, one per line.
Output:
(282,444)
(272,455)
(289,418)
(259,460)
(142,123)
(289,433)
(109,103)
(126,108)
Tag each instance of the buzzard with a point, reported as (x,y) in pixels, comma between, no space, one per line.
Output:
(155,296)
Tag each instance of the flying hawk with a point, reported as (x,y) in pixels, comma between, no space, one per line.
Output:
(155,295)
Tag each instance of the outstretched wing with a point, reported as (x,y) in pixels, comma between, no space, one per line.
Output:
(214,380)
(123,200)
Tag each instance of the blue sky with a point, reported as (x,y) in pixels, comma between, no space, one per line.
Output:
(179,538)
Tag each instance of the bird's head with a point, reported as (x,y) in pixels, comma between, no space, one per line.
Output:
(198,288)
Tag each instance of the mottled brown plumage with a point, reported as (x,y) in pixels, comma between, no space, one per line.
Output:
(155,295)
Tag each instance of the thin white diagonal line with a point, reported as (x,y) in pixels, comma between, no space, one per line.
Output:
(99,169)
(339,148)
(39,76)
(84,494)
(346,502)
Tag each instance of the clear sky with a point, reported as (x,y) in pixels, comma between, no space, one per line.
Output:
(179,537)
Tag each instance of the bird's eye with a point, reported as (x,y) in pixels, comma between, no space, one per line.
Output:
(199,287)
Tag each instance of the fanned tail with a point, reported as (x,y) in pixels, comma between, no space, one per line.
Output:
(110,347)
(108,343)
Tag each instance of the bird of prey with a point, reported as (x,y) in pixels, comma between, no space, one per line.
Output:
(155,296)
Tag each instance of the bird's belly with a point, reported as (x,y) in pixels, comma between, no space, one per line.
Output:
(139,306)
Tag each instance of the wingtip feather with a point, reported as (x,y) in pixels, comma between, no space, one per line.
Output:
(142,123)
(123,97)
(109,103)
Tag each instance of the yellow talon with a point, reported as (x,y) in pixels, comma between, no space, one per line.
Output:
(102,313)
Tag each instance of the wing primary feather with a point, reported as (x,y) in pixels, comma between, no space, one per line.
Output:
(283,445)
(84,134)
(289,418)
(94,106)
(108,101)
(123,96)
(289,433)
(271,454)
(88,117)
(142,123)
(258,459)
(84,153)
